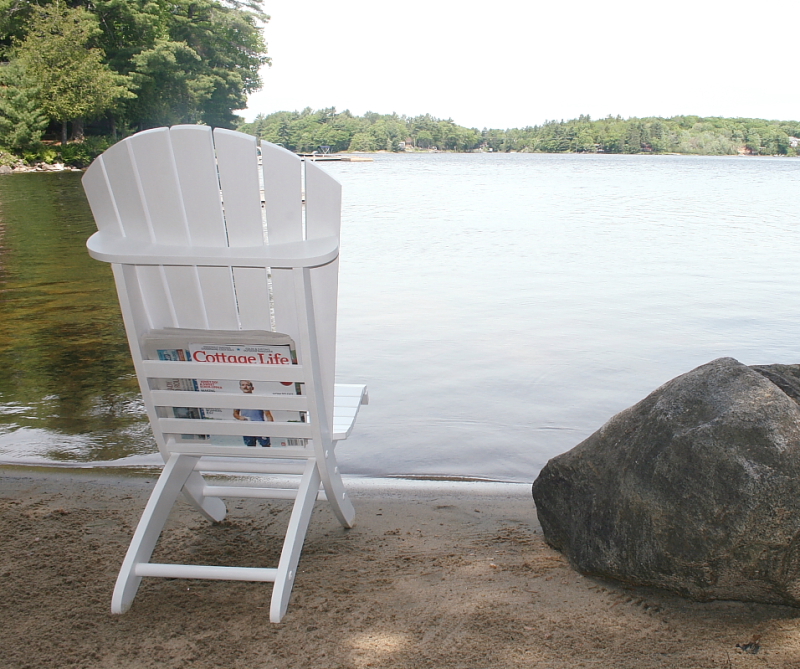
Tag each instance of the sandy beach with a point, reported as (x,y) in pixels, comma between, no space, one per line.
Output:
(457,576)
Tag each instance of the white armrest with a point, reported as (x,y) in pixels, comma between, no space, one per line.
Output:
(347,400)
(310,253)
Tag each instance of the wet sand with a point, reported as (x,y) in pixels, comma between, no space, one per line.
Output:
(455,577)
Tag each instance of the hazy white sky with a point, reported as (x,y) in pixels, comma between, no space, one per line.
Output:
(510,63)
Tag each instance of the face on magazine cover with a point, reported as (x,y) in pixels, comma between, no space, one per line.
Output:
(246,386)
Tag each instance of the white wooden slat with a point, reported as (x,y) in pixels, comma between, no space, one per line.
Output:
(347,402)
(186,297)
(323,219)
(152,154)
(284,304)
(283,194)
(252,493)
(325,288)
(340,432)
(358,390)
(193,148)
(323,203)
(216,284)
(101,200)
(248,466)
(348,413)
(124,183)
(127,279)
(310,253)
(235,427)
(239,400)
(203,449)
(237,161)
(262,574)
(252,295)
(283,202)
(156,299)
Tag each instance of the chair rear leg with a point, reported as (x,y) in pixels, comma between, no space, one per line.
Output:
(166,491)
(340,503)
(293,544)
(212,508)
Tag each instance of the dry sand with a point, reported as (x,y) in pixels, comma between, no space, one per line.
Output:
(454,577)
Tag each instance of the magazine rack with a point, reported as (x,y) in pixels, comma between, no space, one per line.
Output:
(180,217)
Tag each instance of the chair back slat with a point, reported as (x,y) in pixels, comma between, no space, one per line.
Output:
(323,203)
(283,194)
(283,202)
(195,159)
(323,219)
(156,299)
(124,184)
(216,284)
(151,151)
(187,299)
(237,161)
(252,295)
(101,199)
(193,148)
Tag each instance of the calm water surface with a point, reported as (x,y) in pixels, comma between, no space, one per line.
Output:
(500,307)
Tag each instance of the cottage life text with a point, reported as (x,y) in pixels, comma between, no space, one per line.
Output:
(257,359)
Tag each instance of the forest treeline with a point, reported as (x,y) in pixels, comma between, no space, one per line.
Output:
(70,68)
(76,75)
(308,130)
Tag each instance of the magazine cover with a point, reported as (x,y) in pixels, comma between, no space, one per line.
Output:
(246,348)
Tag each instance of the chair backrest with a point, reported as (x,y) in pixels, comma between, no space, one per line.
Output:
(188,187)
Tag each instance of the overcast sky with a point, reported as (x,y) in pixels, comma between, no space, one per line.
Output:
(505,64)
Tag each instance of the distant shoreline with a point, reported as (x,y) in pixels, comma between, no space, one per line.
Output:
(336,132)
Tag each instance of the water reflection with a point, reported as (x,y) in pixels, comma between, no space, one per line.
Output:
(500,307)
(67,386)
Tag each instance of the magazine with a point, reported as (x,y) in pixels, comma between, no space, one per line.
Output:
(253,347)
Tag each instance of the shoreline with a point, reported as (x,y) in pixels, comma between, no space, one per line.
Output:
(452,575)
(364,156)
(151,466)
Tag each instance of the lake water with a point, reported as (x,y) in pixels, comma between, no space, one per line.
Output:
(500,307)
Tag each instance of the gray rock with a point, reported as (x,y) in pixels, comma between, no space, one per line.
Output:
(695,489)
(5,169)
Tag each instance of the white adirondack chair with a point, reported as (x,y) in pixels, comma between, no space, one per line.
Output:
(180,218)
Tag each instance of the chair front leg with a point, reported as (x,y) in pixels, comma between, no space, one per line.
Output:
(168,487)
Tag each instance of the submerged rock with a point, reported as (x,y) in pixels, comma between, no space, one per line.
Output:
(695,489)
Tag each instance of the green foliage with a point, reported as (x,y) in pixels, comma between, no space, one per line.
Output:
(362,141)
(22,122)
(138,63)
(7,158)
(41,154)
(190,60)
(306,131)
(83,153)
(72,81)
(679,134)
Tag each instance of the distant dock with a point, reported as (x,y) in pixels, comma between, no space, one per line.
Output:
(330,157)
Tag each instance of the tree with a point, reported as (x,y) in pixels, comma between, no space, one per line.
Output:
(362,141)
(190,60)
(22,122)
(72,81)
